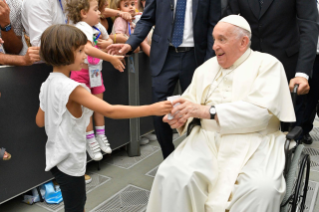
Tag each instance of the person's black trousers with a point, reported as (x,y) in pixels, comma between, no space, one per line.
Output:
(178,67)
(306,107)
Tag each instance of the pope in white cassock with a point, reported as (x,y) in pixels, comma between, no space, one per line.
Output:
(234,161)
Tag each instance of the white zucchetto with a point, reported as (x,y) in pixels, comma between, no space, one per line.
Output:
(237,20)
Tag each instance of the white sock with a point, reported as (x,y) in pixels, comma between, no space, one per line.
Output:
(100,130)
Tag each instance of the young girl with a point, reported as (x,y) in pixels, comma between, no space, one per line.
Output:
(120,25)
(107,21)
(123,27)
(65,110)
(86,16)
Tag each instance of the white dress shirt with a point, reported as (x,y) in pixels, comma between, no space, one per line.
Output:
(38,15)
(188,38)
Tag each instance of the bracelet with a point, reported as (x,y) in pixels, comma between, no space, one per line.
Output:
(114,40)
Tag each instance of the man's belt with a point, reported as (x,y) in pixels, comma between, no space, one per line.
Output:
(180,49)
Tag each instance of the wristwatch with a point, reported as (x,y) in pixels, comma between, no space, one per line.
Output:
(6,28)
(212,112)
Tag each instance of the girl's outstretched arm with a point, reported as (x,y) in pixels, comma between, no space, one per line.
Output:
(39,119)
(114,60)
(85,98)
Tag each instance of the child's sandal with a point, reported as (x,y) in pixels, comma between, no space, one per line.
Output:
(2,154)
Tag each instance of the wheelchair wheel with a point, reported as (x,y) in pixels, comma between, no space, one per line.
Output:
(300,189)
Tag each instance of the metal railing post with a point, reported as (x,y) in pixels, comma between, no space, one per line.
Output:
(133,91)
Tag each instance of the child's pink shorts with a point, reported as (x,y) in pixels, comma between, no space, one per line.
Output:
(82,76)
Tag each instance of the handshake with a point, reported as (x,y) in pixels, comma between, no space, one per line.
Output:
(178,110)
(182,110)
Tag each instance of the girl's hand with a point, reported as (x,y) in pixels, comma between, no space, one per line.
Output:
(161,108)
(117,63)
(103,44)
(1,41)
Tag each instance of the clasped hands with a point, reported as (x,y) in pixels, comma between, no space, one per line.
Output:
(185,110)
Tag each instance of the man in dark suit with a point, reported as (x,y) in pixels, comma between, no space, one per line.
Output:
(286,29)
(182,40)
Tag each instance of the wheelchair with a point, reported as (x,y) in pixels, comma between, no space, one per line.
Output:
(297,167)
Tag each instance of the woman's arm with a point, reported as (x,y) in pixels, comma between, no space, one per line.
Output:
(116,13)
(83,97)
(39,119)
(146,48)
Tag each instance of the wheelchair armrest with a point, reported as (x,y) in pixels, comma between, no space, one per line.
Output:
(294,133)
(192,124)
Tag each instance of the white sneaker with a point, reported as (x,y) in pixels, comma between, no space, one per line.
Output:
(93,148)
(104,143)
(151,137)
(144,140)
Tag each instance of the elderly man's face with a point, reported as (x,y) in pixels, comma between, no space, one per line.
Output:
(228,48)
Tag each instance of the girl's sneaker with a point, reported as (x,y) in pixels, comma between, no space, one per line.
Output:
(88,178)
(144,140)
(104,143)
(94,150)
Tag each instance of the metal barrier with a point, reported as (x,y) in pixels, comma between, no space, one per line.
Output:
(19,103)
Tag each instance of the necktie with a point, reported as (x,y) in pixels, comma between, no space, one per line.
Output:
(178,30)
(261,3)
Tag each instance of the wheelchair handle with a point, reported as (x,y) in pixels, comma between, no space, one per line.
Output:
(294,95)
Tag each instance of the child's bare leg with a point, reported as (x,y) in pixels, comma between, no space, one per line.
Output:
(90,126)
(100,130)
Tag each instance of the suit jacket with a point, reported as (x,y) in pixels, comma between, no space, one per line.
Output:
(206,13)
(286,29)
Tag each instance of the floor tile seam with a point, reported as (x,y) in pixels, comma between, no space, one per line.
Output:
(137,161)
(129,173)
(48,209)
(87,192)
(148,173)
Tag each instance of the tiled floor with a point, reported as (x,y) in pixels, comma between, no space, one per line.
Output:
(123,184)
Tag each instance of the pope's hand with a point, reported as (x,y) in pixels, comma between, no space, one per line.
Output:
(175,122)
(183,112)
(116,49)
(303,85)
(186,109)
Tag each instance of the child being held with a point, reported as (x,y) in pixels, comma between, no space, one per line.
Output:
(124,27)
(86,16)
(120,25)
(65,110)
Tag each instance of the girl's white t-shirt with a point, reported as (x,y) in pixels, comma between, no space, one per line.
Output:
(66,144)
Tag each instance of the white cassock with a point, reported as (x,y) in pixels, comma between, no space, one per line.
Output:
(238,164)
